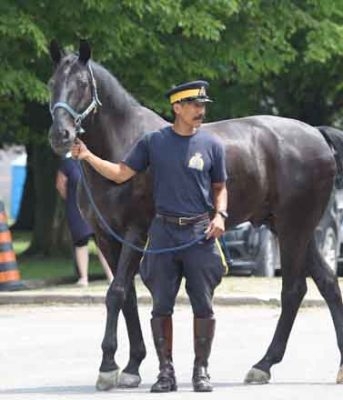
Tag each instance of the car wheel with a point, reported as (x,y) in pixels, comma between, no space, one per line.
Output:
(328,249)
(268,257)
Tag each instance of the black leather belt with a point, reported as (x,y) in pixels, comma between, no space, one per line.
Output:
(184,220)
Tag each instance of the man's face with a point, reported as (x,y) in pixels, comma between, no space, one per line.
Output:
(190,112)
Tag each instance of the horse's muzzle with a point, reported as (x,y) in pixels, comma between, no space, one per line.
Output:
(60,142)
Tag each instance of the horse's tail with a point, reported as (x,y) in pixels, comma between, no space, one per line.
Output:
(334,138)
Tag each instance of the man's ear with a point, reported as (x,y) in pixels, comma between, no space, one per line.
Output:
(177,107)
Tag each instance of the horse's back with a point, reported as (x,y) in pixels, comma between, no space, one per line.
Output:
(273,163)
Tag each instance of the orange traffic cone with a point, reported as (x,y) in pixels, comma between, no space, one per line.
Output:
(9,274)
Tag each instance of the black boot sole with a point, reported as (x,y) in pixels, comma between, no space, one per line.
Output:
(202,389)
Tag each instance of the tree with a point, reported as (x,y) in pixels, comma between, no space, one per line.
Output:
(251,51)
(310,87)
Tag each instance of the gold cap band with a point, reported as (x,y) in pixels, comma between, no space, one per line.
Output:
(184,94)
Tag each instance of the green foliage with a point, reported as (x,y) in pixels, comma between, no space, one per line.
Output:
(150,45)
(324,42)
(22,85)
(261,56)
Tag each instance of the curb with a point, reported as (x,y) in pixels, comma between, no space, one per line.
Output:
(79,298)
(37,292)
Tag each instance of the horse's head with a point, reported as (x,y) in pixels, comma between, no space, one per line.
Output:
(73,95)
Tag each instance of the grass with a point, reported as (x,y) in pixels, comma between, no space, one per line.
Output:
(49,268)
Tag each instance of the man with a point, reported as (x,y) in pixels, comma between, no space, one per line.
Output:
(188,168)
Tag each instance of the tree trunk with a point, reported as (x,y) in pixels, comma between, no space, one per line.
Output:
(50,234)
(44,170)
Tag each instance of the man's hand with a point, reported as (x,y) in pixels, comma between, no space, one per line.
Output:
(79,150)
(216,227)
(117,172)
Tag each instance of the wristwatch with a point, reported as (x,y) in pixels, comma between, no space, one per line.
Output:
(223,213)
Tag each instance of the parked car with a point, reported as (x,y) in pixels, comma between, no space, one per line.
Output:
(255,251)
(329,233)
(251,251)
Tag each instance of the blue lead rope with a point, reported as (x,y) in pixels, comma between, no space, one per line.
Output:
(122,240)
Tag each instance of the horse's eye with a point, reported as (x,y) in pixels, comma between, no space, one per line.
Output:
(83,83)
(51,83)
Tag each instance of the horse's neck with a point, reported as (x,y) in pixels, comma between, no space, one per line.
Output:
(111,137)
(119,121)
(115,126)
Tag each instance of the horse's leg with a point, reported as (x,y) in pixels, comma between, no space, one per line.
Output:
(115,300)
(292,251)
(109,370)
(328,287)
(130,375)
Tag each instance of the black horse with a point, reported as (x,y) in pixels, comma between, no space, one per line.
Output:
(281,174)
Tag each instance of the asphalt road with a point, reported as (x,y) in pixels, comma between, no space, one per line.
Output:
(53,352)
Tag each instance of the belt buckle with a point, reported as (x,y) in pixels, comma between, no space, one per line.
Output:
(182,221)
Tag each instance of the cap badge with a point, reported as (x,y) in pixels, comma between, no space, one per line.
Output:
(202,91)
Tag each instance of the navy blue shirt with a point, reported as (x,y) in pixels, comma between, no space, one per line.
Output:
(183,168)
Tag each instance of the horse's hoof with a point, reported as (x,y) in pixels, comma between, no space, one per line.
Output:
(257,376)
(129,380)
(107,380)
(340,375)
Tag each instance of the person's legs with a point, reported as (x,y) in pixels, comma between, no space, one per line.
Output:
(203,337)
(161,273)
(204,269)
(162,277)
(82,261)
(162,331)
(105,266)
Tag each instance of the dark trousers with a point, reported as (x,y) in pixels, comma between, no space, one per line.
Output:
(202,265)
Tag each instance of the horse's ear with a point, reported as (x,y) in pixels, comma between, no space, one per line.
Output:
(55,51)
(84,51)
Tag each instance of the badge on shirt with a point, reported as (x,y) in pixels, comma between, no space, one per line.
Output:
(196,162)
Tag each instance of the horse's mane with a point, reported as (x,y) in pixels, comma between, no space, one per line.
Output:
(117,97)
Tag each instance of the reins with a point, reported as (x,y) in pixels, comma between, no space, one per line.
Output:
(124,241)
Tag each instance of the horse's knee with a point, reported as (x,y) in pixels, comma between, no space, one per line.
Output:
(302,289)
(329,288)
(294,294)
(115,296)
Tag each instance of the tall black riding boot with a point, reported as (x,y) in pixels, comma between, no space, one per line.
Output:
(203,336)
(162,330)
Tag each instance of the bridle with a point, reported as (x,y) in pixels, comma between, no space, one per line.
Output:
(79,117)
